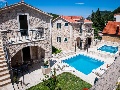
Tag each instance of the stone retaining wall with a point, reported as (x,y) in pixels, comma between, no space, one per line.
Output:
(109,78)
(111,38)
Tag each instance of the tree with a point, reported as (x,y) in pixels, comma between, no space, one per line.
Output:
(98,22)
(54,15)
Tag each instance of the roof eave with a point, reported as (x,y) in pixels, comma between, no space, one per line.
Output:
(23,3)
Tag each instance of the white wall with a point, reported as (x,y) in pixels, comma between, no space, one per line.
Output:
(117,18)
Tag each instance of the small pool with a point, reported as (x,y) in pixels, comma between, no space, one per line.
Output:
(109,49)
(83,63)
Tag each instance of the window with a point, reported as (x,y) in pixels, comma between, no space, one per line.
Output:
(40,32)
(81,28)
(65,40)
(58,25)
(66,24)
(58,39)
(89,30)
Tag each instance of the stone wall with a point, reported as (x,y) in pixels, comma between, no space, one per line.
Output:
(72,32)
(63,32)
(34,52)
(9,21)
(111,38)
(109,79)
(17,58)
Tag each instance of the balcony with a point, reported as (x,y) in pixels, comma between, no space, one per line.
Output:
(24,36)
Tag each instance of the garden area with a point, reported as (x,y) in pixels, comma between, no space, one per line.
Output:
(64,81)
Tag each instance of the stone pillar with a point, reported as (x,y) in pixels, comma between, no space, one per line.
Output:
(39,53)
(83,44)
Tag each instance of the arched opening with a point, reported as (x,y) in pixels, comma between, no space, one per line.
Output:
(78,42)
(26,54)
(87,43)
(16,59)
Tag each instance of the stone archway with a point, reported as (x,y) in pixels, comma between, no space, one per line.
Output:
(87,42)
(78,40)
(17,58)
(26,54)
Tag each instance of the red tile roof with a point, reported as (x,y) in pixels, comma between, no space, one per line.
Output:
(74,19)
(111,28)
(67,18)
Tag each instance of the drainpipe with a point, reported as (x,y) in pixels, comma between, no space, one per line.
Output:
(50,38)
(51,33)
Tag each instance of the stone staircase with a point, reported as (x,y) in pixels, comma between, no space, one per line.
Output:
(4,72)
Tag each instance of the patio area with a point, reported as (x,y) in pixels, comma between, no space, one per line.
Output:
(28,79)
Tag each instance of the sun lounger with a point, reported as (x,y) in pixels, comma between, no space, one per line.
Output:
(98,72)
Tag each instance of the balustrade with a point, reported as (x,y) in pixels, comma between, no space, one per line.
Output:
(23,35)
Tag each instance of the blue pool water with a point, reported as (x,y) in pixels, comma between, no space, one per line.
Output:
(109,49)
(83,63)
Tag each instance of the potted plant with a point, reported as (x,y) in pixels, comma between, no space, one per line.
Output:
(46,64)
(15,79)
(45,68)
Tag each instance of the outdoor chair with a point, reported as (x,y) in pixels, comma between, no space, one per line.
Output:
(31,63)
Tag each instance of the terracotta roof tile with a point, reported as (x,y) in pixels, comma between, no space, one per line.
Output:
(111,28)
(72,19)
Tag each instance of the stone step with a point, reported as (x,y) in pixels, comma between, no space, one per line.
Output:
(6,82)
(4,73)
(3,65)
(3,69)
(2,61)
(1,51)
(1,48)
(2,58)
(2,54)
(4,78)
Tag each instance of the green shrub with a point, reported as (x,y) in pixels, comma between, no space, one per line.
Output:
(55,50)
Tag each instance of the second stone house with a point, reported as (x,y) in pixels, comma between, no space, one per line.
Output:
(72,33)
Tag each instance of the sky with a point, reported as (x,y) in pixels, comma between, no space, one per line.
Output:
(69,7)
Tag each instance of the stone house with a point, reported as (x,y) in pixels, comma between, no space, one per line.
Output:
(71,33)
(25,35)
(111,32)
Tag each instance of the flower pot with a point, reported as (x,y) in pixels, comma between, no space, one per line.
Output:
(46,69)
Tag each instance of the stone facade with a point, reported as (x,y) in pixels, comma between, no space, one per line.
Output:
(9,21)
(72,33)
(37,36)
(63,32)
(112,38)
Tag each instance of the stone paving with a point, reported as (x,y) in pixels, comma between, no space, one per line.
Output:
(109,78)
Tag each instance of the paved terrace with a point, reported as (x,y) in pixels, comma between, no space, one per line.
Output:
(109,78)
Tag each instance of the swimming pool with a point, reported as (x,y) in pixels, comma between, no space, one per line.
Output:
(109,49)
(83,63)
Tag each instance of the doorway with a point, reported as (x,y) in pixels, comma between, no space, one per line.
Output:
(23,25)
(26,54)
(89,41)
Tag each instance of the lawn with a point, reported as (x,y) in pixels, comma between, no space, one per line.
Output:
(66,81)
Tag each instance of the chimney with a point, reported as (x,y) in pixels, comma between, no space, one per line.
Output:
(117,17)
(117,29)
(6,4)
(22,0)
